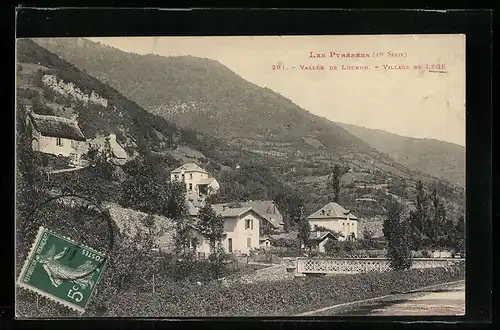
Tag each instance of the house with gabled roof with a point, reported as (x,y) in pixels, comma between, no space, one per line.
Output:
(241,225)
(270,212)
(197,180)
(335,218)
(318,239)
(57,136)
(118,153)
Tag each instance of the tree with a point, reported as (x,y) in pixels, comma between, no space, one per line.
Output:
(367,238)
(150,234)
(211,226)
(290,204)
(397,231)
(100,159)
(148,188)
(333,184)
(436,222)
(419,218)
(29,184)
(304,230)
(332,247)
(143,193)
(459,237)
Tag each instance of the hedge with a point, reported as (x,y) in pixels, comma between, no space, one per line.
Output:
(284,298)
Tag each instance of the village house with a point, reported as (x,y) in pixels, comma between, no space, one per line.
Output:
(62,136)
(335,218)
(57,136)
(270,212)
(198,181)
(118,154)
(318,240)
(241,226)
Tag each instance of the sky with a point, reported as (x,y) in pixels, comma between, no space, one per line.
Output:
(417,101)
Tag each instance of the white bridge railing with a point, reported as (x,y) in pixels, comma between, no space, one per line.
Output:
(362,265)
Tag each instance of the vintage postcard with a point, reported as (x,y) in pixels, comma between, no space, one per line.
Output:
(240,176)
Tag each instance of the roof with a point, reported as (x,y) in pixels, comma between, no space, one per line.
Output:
(226,211)
(189,167)
(268,210)
(57,127)
(206,181)
(332,210)
(116,148)
(320,235)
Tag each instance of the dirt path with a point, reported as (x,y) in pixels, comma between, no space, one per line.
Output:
(439,300)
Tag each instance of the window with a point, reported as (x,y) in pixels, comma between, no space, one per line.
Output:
(230,245)
(190,176)
(183,178)
(190,187)
(248,224)
(249,242)
(59,142)
(176,177)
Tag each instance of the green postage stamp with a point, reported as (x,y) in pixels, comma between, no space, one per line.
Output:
(62,270)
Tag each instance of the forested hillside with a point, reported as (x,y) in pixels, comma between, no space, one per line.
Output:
(438,158)
(278,146)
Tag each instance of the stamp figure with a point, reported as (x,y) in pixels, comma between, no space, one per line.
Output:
(68,277)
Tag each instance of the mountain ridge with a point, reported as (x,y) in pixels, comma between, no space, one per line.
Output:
(441,159)
(284,169)
(204,95)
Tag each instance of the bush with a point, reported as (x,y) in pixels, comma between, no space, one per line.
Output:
(281,298)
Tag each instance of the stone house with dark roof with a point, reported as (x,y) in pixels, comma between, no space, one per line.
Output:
(57,136)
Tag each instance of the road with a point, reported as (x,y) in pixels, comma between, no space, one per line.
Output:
(440,300)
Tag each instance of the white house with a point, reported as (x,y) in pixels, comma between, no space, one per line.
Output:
(198,181)
(334,217)
(269,211)
(241,226)
(56,136)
